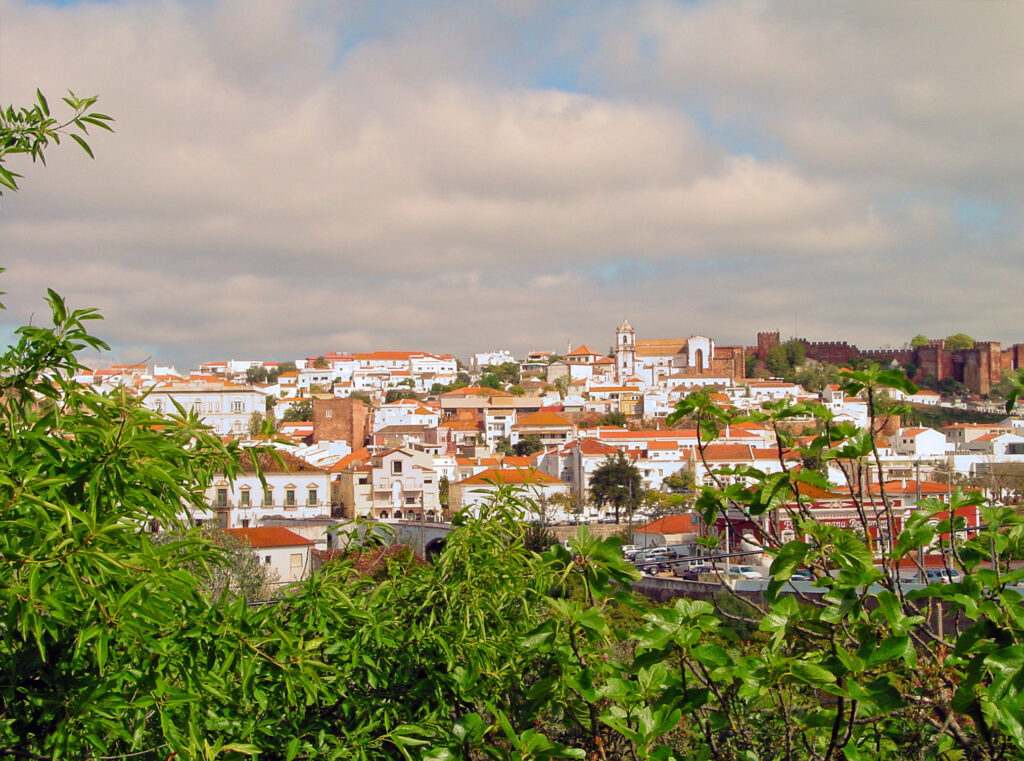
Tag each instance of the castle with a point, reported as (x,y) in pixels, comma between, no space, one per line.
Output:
(979,368)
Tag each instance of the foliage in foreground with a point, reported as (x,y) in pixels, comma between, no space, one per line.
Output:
(110,645)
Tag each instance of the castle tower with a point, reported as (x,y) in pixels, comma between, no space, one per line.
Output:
(625,351)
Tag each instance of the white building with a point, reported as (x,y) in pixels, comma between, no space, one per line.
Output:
(478,362)
(226,407)
(282,550)
(471,493)
(920,443)
(295,490)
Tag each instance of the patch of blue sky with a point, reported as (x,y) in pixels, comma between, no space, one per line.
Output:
(627,269)
(737,138)
(63,3)
(980,219)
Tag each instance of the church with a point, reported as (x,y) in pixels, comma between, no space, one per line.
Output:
(674,361)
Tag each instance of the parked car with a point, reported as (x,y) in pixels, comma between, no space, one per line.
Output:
(801,574)
(746,571)
(942,576)
(695,570)
(629,550)
(651,554)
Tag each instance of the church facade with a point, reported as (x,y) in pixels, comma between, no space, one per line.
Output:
(674,361)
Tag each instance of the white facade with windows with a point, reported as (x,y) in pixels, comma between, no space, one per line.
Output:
(296,491)
(225,407)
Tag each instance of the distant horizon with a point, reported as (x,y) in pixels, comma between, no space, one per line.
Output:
(101,363)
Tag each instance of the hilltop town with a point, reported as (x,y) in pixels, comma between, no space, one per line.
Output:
(405,435)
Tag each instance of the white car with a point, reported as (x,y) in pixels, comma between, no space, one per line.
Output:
(746,571)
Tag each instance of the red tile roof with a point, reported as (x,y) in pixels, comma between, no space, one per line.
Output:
(509,476)
(269,536)
(670,524)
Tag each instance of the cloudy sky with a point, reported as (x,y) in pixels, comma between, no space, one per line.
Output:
(293,177)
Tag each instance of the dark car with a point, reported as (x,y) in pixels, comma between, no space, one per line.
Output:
(694,571)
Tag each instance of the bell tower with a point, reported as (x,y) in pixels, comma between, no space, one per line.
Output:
(625,351)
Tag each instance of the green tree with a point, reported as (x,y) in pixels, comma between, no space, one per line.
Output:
(959,341)
(750,363)
(394,394)
(298,411)
(256,374)
(503,446)
(507,373)
(490,380)
(680,482)
(616,482)
(617,419)
(235,572)
(320,363)
(528,445)
(919,340)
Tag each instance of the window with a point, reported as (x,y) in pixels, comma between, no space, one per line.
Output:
(364,480)
(396,466)
(268,497)
(243,498)
(311,497)
(289,497)
(222,498)
(266,559)
(237,405)
(329,413)
(410,500)
(245,523)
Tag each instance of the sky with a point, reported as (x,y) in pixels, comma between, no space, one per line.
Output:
(292,177)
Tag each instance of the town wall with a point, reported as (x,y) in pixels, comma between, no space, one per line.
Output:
(979,368)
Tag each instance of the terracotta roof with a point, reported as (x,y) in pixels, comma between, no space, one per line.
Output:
(269,536)
(356,458)
(670,524)
(543,419)
(669,434)
(511,461)
(720,452)
(461,425)
(470,391)
(582,351)
(662,445)
(269,463)
(913,431)
(909,486)
(509,476)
